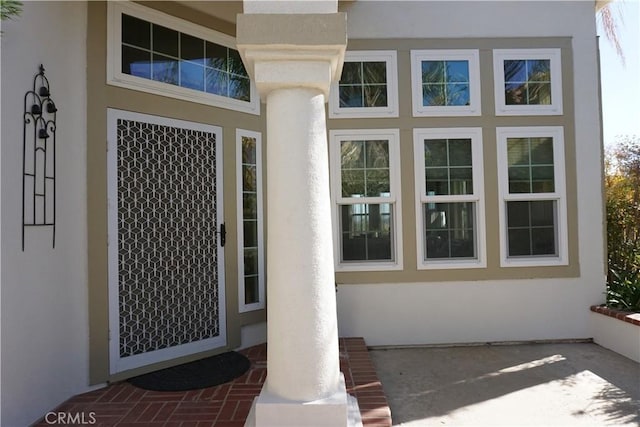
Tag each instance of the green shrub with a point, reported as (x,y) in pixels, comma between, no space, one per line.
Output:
(623,224)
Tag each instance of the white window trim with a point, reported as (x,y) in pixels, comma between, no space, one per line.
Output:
(391,110)
(554,56)
(393,136)
(475,134)
(470,55)
(242,307)
(559,195)
(116,77)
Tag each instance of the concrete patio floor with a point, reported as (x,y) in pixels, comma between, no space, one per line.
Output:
(577,384)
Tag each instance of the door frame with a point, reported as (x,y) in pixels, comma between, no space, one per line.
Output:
(118,364)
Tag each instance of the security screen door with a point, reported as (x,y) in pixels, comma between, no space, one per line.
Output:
(166,279)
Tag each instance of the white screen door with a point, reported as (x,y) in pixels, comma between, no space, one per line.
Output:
(166,277)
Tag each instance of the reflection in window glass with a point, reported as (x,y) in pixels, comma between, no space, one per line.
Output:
(530,165)
(448,167)
(445,83)
(450,230)
(363,84)
(250,220)
(158,53)
(527,82)
(531,228)
(365,168)
(366,232)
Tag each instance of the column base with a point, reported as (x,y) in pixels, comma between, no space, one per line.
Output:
(338,410)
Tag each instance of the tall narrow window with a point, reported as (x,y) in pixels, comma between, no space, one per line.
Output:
(366,196)
(251,271)
(527,81)
(532,192)
(445,82)
(449,202)
(368,86)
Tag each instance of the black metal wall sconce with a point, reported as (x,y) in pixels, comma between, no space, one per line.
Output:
(39,158)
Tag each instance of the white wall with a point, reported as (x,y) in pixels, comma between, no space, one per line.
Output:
(44,312)
(419,313)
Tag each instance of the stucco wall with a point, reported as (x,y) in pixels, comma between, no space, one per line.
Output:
(44,290)
(521,308)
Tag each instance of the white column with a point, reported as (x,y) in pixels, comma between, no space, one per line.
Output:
(293,59)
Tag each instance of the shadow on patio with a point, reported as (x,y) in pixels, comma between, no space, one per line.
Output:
(533,384)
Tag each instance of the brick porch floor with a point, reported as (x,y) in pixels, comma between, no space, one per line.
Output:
(227,405)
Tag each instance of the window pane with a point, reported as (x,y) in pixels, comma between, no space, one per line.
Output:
(515,71)
(461,181)
(249,206)
(351,73)
(235,64)
(433,72)
(164,69)
(531,228)
(374,72)
(352,154)
(377,154)
(165,40)
(457,71)
(192,48)
(249,178)
(542,151)
(433,95)
(377,183)
(216,56)
(450,230)
(366,232)
(251,293)
(351,96)
(519,179)
(460,152)
(539,93)
(375,96)
(437,180)
(250,262)
(353,183)
(216,82)
(457,94)
(250,234)
(515,93)
(136,32)
(239,88)
(435,152)
(538,70)
(542,179)
(136,62)
(518,151)
(248,150)
(191,76)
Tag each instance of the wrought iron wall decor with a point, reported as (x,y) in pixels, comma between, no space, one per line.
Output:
(39,158)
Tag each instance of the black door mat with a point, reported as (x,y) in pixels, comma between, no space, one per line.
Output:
(195,375)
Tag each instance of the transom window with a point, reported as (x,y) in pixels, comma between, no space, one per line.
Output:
(365,191)
(164,55)
(251,271)
(449,204)
(533,207)
(367,86)
(445,82)
(528,81)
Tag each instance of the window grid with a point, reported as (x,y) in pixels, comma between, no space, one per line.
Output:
(251,272)
(364,84)
(446,84)
(532,224)
(367,213)
(452,218)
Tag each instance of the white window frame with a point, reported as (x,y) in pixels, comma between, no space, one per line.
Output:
(393,136)
(558,195)
(471,56)
(242,307)
(391,110)
(116,77)
(475,134)
(554,56)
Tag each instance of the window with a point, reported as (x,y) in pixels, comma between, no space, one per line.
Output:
(445,82)
(368,86)
(365,173)
(449,200)
(532,194)
(251,272)
(160,54)
(527,81)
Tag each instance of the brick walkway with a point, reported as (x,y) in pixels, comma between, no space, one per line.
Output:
(226,405)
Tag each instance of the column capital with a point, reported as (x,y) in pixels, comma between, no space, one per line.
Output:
(292,50)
